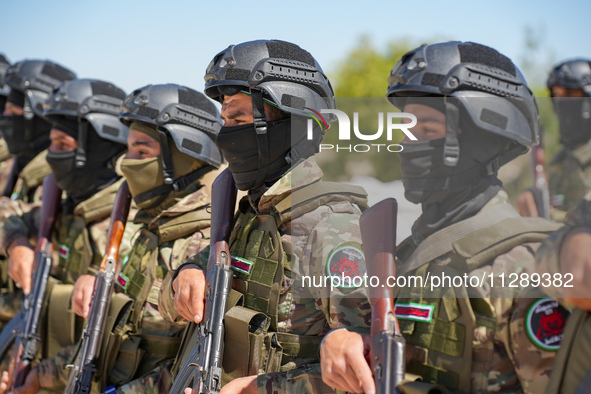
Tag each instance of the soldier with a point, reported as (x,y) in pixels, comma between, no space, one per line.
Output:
(26,133)
(566,255)
(23,126)
(474,113)
(569,173)
(171,154)
(86,141)
(290,224)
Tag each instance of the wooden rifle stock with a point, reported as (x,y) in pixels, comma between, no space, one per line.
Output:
(12,178)
(27,339)
(85,367)
(378,231)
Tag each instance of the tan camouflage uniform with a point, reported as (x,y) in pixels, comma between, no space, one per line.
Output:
(311,238)
(28,190)
(569,177)
(171,254)
(504,358)
(97,224)
(573,361)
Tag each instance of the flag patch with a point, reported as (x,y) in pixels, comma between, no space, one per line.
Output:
(416,312)
(241,265)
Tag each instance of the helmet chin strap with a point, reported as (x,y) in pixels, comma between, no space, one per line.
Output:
(451,149)
(80,160)
(167,166)
(260,125)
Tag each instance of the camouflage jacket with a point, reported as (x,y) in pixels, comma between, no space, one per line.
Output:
(506,354)
(315,240)
(171,254)
(569,177)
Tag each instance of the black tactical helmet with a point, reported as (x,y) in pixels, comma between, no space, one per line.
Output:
(4,88)
(572,74)
(37,79)
(288,76)
(483,83)
(96,102)
(189,117)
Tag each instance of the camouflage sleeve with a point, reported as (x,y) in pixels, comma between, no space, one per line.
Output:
(332,252)
(52,371)
(17,219)
(193,249)
(548,255)
(529,327)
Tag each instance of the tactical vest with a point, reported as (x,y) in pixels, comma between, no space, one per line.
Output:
(31,177)
(253,343)
(130,352)
(78,253)
(573,364)
(439,333)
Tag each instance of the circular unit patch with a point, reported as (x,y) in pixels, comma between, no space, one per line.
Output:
(545,323)
(346,267)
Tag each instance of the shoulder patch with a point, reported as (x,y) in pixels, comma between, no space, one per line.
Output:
(346,266)
(545,322)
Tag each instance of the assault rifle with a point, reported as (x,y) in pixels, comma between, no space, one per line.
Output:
(85,366)
(204,363)
(27,338)
(378,232)
(540,185)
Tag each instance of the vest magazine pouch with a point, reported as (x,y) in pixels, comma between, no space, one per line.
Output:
(64,327)
(117,330)
(245,350)
(127,362)
(75,249)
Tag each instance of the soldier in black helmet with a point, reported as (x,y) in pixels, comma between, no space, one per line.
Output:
(86,141)
(474,113)
(291,223)
(169,166)
(569,173)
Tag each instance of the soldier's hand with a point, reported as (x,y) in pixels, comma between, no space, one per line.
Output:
(82,295)
(31,386)
(342,359)
(20,263)
(575,259)
(189,291)
(526,204)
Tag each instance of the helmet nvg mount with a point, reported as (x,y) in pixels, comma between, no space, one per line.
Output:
(89,101)
(476,81)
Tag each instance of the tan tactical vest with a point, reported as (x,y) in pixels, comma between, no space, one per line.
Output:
(439,332)
(253,344)
(129,352)
(31,177)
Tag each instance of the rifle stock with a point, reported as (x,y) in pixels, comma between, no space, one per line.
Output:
(12,178)
(378,232)
(81,377)
(204,365)
(27,339)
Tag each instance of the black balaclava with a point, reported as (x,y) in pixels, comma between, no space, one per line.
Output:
(449,194)
(574,116)
(287,146)
(24,137)
(98,171)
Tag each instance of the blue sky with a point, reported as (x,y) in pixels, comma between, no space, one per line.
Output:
(135,42)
